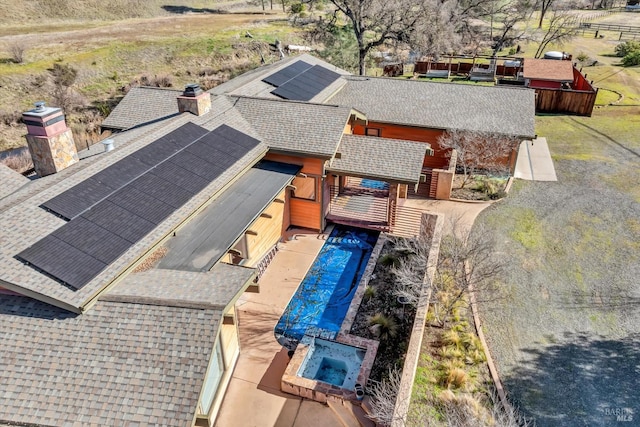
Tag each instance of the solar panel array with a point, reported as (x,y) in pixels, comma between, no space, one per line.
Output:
(301,81)
(109,223)
(286,74)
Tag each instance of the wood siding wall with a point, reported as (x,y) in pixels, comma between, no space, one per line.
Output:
(410,133)
(565,101)
(265,231)
(305,213)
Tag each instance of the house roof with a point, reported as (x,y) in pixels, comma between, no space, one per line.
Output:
(509,111)
(142,105)
(299,127)
(26,222)
(203,241)
(251,84)
(213,289)
(380,158)
(548,69)
(120,363)
(11,180)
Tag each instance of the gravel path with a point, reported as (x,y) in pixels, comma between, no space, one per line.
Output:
(566,336)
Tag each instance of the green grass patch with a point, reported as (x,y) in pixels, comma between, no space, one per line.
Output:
(527,229)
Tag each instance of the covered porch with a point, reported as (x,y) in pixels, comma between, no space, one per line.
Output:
(368,180)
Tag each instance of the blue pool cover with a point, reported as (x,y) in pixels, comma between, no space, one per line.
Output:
(323,298)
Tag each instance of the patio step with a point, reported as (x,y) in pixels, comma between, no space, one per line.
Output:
(350,415)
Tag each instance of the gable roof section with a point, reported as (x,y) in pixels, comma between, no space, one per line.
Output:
(11,180)
(214,289)
(142,105)
(548,69)
(24,222)
(380,158)
(299,127)
(118,363)
(201,243)
(509,111)
(251,84)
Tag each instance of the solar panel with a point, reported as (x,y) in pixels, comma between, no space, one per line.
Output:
(119,221)
(181,177)
(62,261)
(278,78)
(197,165)
(92,239)
(142,205)
(306,85)
(79,198)
(84,195)
(118,206)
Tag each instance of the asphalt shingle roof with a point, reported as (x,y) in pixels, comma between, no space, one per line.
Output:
(251,84)
(548,69)
(212,289)
(10,180)
(441,105)
(381,158)
(24,222)
(142,105)
(312,129)
(119,364)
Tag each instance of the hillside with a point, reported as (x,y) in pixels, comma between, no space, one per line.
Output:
(14,13)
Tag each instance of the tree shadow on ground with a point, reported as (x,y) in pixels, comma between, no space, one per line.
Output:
(181,10)
(584,380)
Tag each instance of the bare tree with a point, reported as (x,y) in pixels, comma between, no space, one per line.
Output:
(510,19)
(477,150)
(545,6)
(561,29)
(465,265)
(383,398)
(375,22)
(409,272)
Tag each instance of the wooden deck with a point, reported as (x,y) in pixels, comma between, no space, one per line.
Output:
(362,206)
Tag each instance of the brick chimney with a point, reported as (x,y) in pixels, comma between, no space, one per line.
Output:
(50,140)
(194,100)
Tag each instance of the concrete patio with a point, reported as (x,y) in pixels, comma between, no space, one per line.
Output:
(253,397)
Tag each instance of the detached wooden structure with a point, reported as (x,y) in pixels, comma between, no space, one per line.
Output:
(559,86)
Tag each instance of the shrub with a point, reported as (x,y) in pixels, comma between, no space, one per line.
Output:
(624,49)
(384,327)
(631,59)
(389,260)
(583,57)
(17,50)
(18,161)
(369,292)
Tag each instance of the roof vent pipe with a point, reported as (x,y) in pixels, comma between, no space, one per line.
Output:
(108,145)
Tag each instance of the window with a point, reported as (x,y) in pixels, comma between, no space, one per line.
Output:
(212,381)
(372,132)
(305,187)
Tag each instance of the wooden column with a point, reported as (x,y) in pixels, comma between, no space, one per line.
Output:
(392,205)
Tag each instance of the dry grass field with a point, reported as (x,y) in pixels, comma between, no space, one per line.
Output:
(111,53)
(566,337)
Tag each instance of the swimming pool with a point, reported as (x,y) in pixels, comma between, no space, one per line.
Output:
(320,303)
